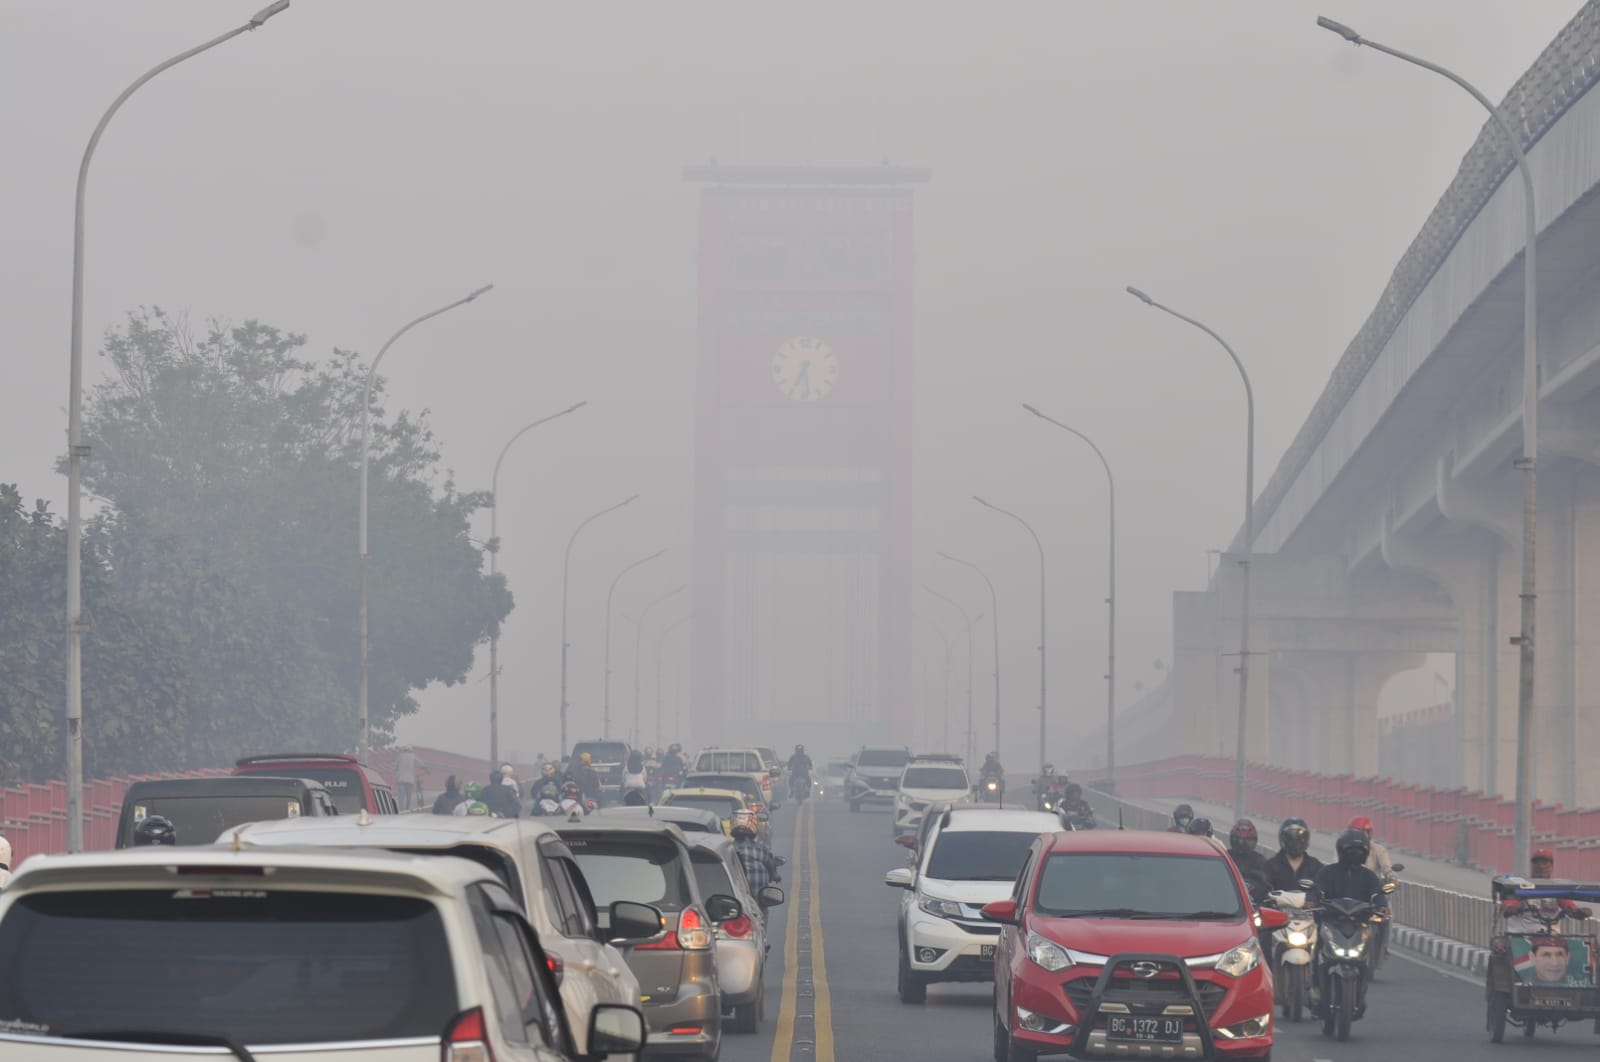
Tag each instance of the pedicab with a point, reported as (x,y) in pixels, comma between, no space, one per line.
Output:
(1540,973)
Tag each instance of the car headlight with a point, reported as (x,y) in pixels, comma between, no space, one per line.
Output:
(940,908)
(1240,960)
(1047,953)
(1297,938)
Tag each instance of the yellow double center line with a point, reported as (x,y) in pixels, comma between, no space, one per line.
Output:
(821,1001)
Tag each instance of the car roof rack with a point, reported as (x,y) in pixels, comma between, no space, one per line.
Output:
(286,757)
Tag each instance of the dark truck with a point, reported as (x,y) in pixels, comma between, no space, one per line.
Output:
(353,786)
(201,809)
(609,758)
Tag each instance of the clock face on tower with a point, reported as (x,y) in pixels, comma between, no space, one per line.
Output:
(805,368)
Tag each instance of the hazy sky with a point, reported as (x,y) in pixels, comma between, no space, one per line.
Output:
(356,163)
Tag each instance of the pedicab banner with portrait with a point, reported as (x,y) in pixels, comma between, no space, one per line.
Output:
(1553,960)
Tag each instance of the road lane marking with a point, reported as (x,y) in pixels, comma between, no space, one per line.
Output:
(822,1000)
(783,1037)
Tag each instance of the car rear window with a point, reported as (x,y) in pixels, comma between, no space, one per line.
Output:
(601,751)
(882,758)
(342,783)
(269,967)
(200,819)
(739,783)
(1136,884)
(979,855)
(727,760)
(934,778)
(723,806)
(643,869)
(711,874)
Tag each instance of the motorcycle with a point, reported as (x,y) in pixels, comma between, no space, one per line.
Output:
(1290,952)
(799,786)
(1344,938)
(991,789)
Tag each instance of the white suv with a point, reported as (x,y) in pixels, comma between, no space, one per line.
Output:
(970,857)
(928,780)
(339,953)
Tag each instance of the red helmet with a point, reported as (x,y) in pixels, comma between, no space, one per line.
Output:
(1360,822)
(1543,854)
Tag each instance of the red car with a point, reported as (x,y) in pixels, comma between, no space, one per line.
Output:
(352,786)
(1127,944)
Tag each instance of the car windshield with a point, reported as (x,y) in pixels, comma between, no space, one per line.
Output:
(200,819)
(1138,885)
(882,758)
(723,806)
(601,751)
(643,869)
(979,855)
(711,874)
(727,760)
(269,967)
(934,778)
(342,783)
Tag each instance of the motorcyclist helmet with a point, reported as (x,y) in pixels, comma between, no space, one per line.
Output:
(1201,828)
(1073,793)
(1543,864)
(473,790)
(674,748)
(152,829)
(1362,823)
(1243,837)
(1182,816)
(586,759)
(1294,837)
(743,823)
(549,792)
(800,750)
(570,789)
(1353,848)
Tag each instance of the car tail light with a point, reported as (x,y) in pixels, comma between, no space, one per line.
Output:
(740,928)
(685,1030)
(694,933)
(466,1039)
(556,966)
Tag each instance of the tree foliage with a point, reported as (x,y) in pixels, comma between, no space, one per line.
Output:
(228,468)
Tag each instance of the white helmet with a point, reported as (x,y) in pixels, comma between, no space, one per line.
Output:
(5,854)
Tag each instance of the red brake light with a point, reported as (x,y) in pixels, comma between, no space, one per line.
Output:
(555,966)
(694,934)
(740,928)
(466,1039)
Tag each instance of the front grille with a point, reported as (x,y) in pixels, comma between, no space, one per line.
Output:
(1143,996)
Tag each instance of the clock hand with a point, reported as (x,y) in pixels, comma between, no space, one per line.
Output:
(804,377)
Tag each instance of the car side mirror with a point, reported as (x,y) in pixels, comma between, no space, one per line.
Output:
(615,1029)
(720,908)
(1002,911)
(633,921)
(1397,867)
(1271,918)
(898,878)
(906,840)
(770,896)
(762,816)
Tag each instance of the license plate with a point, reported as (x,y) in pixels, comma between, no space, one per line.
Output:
(1549,1001)
(1159,1030)
(986,951)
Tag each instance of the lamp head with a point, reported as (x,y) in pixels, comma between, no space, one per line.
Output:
(1141,296)
(1340,28)
(260,17)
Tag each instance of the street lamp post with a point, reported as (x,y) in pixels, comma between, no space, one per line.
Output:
(363,731)
(77,449)
(994,626)
(1249,544)
(1530,421)
(661,641)
(605,724)
(494,569)
(1111,600)
(945,638)
(566,579)
(969,620)
(638,653)
(1044,756)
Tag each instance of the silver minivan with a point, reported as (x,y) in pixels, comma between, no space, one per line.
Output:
(741,943)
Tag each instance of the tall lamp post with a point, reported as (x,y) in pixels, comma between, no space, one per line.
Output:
(77,449)
(969,620)
(1111,599)
(994,626)
(494,569)
(1530,421)
(605,723)
(1249,544)
(1044,756)
(363,731)
(944,638)
(638,651)
(566,580)
(661,641)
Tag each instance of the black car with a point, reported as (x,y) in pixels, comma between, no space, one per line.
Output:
(200,809)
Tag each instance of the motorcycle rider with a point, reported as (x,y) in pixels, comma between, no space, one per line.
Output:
(154,829)
(1292,863)
(588,778)
(672,763)
(501,800)
(1201,828)
(452,796)
(549,802)
(572,802)
(1182,816)
(1078,813)
(635,776)
(1347,879)
(1243,840)
(1378,862)
(759,862)
(799,768)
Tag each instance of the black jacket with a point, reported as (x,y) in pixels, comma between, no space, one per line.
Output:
(447,801)
(1348,883)
(1253,869)
(1280,875)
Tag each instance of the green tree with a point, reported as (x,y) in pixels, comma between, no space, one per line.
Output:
(229,465)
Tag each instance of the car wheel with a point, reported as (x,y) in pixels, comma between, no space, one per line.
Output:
(1294,993)
(1005,1048)
(1499,1003)
(913,989)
